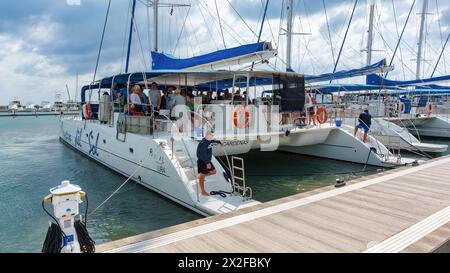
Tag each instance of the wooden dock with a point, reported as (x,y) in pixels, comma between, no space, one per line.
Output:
(402,210)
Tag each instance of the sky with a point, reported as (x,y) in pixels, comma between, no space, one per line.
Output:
(44,44)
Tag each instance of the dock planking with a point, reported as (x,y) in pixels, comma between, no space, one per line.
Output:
(401,210)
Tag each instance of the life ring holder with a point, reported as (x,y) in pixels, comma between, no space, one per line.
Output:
(401,107)
(429,108)
(322,115)
(237,123)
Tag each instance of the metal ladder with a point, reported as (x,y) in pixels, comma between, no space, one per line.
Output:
(237,165)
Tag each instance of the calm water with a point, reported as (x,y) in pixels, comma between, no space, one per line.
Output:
(32,160)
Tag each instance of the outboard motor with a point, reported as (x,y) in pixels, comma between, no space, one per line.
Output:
(67,235)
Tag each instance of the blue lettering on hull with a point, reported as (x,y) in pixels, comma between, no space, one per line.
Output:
(93,147)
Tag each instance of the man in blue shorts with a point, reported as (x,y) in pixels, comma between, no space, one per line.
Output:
(365,121)
(204,157)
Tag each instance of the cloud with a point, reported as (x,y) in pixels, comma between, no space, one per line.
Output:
(45,43)
(73,2)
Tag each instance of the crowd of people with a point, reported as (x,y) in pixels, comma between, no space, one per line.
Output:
(132,100)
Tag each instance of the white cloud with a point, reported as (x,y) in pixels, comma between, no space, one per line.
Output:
(31,72)
(73,2)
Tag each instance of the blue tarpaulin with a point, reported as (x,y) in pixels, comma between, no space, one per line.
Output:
(377,80)
(166,61)
(374,68)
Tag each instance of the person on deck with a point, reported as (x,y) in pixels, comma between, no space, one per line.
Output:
(136,102)
(204,157)
(365,121)
(155,98)
(123,96)
(311,108)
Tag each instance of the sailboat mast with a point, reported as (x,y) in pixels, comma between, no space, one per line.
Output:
(130,38)
(421,36)
(155,25)
(370,32)
(290,11)
(76,88)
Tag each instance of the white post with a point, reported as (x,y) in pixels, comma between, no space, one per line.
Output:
(290,10)
(370,32)
(421,36)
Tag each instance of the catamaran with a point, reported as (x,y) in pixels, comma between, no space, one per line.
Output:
(158,149)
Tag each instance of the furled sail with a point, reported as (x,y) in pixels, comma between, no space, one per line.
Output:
(215,60)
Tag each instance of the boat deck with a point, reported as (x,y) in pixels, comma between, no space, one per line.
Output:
(402,210)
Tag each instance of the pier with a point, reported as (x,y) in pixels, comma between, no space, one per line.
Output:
(38,114)
(401,210)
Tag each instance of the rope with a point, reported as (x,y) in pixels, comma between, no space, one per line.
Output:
(261,29)
(401,35)
(125,38)
(118,189)
(101,42)
(329,32)
(207,27)
(220,24)
(101,45)
(345,37)
(182,29)
(242,19)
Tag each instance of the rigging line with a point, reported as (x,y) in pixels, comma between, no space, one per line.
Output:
(140,43)
(440,55)
(182,29)
(270,27)
(329,32)
(230,32)
(242,19)
(280,27)
(401,36)
(398,36)
(440,31)
(197,49)
(101,45)
(209,30)
(220,24)
(345,37)
(262,27)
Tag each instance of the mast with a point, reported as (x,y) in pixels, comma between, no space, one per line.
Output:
(421,36)
(155,25)
(290,10)
(130,37)
(370,32)
(76,88)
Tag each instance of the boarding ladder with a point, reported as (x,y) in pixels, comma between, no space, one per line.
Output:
(238,175)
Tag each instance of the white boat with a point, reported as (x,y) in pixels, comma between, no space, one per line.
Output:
(165,160)
(45,106)
(15,105)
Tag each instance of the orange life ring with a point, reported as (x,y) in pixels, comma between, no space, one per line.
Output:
(401,107)
(88,111)
(237,117)
(429,108)
(322,115)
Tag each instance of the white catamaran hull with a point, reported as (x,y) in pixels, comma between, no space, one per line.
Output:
(433,126)
(149,161)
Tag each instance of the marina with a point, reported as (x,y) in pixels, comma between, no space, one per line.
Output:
(226,127)
(403,210)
